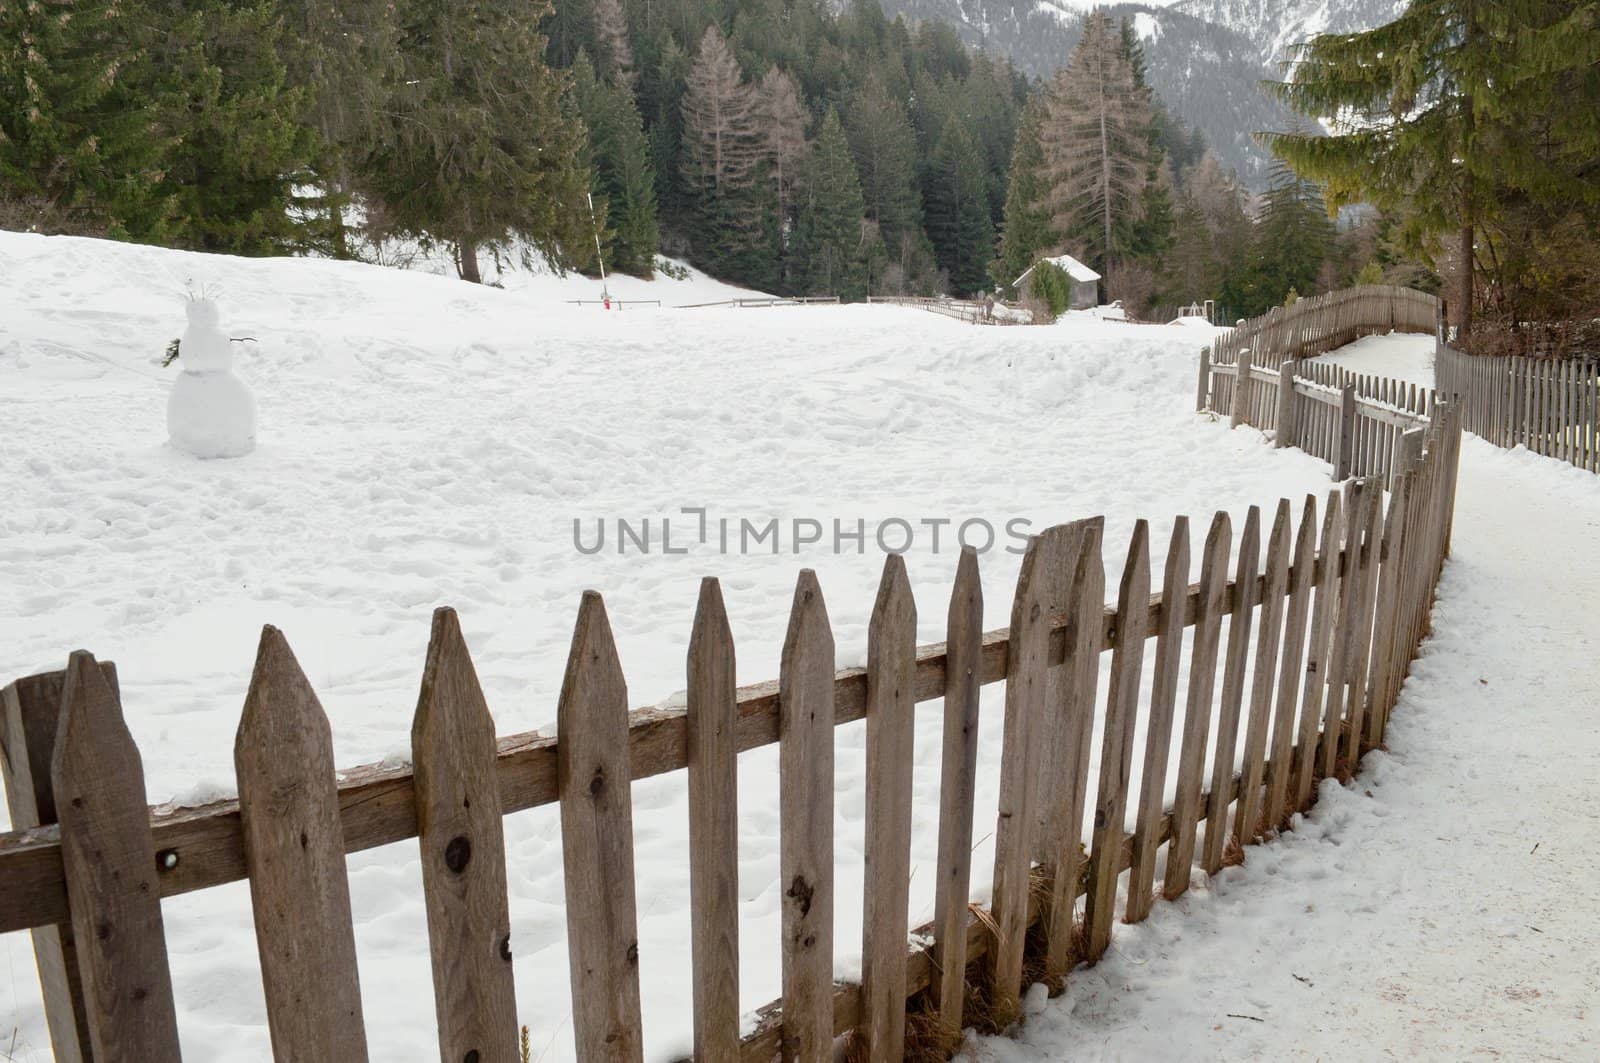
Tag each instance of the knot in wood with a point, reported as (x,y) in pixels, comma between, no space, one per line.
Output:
(598,783)
(471,1056)
(505,948)
(457,852)
(801,891)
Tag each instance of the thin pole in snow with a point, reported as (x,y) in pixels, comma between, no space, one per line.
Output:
(605,294)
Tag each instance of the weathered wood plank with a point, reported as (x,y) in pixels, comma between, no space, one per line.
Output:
(1238,654)
(1081,668)
(713,827)
(1186,807)
(1059,547)
(1158,731)
(97,779)
(1116,750)
(463,855)
(30,713)
(289,811)
(891,734)
(597,843)
(805,808)
(1020,757)
(1294,657)
(957,783)
(1269,633)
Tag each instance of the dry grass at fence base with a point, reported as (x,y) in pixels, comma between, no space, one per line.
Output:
(1232,853)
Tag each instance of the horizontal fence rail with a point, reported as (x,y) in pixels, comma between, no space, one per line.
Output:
(1551,407)
(972,311)
(766,301)
(1355,422)
(1324,616)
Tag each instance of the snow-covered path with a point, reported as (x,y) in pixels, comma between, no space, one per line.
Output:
(1442,906)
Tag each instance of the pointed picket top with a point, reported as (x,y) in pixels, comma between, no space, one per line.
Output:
(294,848)
(808,615)
(894,605)
(463,852)
(592,771)
(713,827)
(107,856)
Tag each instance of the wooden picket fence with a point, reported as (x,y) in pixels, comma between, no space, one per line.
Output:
(1552,407)
(1355,422)
(1321,323)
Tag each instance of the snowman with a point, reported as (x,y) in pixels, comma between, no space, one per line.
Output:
(211,413)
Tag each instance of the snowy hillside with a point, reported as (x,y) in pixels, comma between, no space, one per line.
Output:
(1274,25)
(423,442)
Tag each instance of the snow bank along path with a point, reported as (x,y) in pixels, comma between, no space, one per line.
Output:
(424,442)
(1441,907)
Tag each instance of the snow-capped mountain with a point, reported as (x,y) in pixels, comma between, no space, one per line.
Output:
(1275,25)
(1206,58)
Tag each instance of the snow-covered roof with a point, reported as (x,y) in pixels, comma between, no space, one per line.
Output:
(1075,269)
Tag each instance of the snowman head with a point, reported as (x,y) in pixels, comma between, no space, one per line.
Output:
(202,312)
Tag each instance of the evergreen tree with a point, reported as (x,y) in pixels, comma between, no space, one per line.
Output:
(1294,240)
(1027,232)
(479,151)
(621,175)
(611,34)
(78,148)
(829,238)
(958,209)
(885,149)
(1096,137)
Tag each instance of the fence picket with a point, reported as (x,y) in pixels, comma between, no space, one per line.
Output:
(1197,707)
(957,784)
(1158,731)
(712,713)
(1269,633)
(891,732)
(1240,617)
(805,809)
(1081,667)
(463,854)
(1116,750)
(1302,579)
(1027,662)
(108,857)
(597,842)
(294,848)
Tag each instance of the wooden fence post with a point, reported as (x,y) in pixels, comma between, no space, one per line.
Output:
(1238,656)
(30,713)
(109,859)
(1347,432)
(1203,396)
(1286,435)
(1241,390)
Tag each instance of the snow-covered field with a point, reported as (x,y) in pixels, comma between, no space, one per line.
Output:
(1442,906)
(426,442)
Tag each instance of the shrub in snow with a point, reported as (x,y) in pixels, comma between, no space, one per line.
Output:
(211,412)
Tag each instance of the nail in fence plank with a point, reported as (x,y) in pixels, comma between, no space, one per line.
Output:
(805,808)
(713,827)
(1027,663)
(1269,632)
(891,719)
(1158,731)
(957,781)
(1232,693)
(109,859)
(1081,667)
(1294,658)
(463,854)
(1116,750)
(597,842)
(1197,710)
(294,847)
(30,713)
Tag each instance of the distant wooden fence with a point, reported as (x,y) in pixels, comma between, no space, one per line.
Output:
(1337,606)
(1551,407)
(1256,375)
(767,302)
(972,311)
(615,304)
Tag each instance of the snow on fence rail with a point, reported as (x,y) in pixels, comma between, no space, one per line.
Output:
(1337,618)
(1551,407)
(1356,423)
